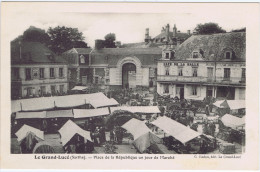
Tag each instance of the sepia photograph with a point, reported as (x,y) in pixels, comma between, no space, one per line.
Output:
(128,83)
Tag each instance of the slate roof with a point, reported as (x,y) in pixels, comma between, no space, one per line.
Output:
(110,56)
(178,35)
(33,52)
(214,46)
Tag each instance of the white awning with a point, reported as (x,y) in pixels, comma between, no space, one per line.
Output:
(233,121)
(22,133)
(87,113)
(136,127)
(137,109)
(69,129)
(232,104)
(23,115)
(236,104)
(175,129)
(80,88)
(59,114)
(33,104)
(45,103)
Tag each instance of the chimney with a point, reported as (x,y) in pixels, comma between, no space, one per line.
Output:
(146,39)
(188,32)
(174,31)
(163,30)
(167,32)
(99,44)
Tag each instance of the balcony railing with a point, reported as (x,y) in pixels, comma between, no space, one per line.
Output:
(201,79)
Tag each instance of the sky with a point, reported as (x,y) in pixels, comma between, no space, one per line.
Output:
(128,27)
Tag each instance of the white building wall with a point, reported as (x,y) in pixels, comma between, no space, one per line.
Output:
(145,77)
(114,77)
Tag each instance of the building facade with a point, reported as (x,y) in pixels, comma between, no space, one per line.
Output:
(115,67)
(36,71)
(204,65)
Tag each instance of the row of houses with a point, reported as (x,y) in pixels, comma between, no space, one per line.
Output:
(173,63)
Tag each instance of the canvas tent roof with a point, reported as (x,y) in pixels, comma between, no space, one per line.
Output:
(233,121)
(232,104)
(69,129)
(143,136)
(22,132)
(137,109)
(87,113)
(136,127)
(23,115)
(175,129)
(33,104)
(80,88)
(45,103)
(59,114)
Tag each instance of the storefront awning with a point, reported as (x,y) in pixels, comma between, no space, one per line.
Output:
(79,88)
(232,104)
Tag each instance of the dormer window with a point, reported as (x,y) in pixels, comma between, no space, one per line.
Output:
(195,55)
(228,55)
(82,59)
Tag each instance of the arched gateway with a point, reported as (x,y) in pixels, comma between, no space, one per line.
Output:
(128,75)
(130,72)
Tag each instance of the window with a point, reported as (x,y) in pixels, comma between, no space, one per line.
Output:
(41,73)
(194,71)
(60,72)
(180,71)
(28,74)
(166,88)
(195,55)
(82,59)
(43,90)
(53,89)
(15,73)
(51,72)
(167,71)
(226,73)
(194,90)
(228,55)
(61,88)
(167,55)
(29,91)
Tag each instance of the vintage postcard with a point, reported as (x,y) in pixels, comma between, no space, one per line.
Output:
(137,86)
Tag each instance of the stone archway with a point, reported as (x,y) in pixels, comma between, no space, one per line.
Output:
(128,75)
(138,70)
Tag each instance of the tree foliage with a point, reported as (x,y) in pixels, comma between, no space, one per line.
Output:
(209,28)
(34,34)
(64,38)
(239,30)
(110,41)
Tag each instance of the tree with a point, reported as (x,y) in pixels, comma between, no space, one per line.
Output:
(209,28)
(239,30)
(34,34)
(64,38)
(110,40)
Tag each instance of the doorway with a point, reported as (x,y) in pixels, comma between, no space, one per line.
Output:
(128,75)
